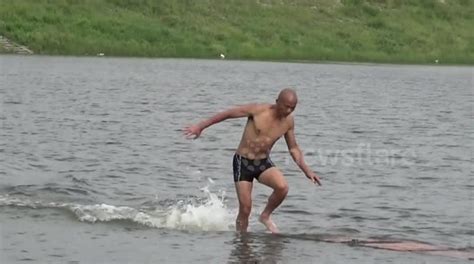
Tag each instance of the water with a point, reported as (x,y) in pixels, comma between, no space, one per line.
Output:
(94,167)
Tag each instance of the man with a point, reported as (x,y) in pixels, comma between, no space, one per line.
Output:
(265,125)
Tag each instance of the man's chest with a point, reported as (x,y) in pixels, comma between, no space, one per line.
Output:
(268,126)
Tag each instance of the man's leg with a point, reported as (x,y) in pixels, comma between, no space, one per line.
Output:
(274,179)
(244,194)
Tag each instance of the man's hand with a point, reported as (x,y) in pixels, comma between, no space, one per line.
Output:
(192,132)
(314,178)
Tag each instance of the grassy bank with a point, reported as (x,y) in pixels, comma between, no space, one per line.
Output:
(396,31)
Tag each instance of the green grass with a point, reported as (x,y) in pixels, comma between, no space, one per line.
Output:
(394,31)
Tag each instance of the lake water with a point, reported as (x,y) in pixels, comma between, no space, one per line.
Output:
(94,167)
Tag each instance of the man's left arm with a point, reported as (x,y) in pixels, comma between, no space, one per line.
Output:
(297,154)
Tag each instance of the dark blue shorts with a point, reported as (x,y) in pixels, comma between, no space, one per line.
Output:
(248,169)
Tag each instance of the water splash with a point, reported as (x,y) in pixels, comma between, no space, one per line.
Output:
(207,214)
(211,214)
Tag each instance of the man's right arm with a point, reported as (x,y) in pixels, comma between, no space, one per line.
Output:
(235,112)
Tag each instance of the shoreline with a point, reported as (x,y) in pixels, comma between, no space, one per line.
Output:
(335,62)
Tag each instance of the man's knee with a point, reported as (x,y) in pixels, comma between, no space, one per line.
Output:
(244,210)
(282,188)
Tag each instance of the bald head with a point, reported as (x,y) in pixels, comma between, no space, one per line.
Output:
(288,95)
(286,102)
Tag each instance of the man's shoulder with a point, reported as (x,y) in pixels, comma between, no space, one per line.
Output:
(261,107)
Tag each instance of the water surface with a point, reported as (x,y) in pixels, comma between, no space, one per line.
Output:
(94,166)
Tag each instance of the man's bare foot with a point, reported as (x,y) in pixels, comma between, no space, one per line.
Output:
(269,224)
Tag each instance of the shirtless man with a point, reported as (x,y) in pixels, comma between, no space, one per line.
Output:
(265,125)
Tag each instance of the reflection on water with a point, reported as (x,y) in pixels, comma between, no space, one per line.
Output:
(257,248)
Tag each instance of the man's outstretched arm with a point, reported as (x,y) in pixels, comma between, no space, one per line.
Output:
(194,131)
(297,155)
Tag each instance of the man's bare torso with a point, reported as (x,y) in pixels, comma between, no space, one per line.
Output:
(262,130)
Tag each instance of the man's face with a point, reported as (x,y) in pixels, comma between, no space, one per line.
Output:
(285,106)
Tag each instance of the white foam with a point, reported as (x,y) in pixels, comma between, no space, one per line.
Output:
(211,214)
